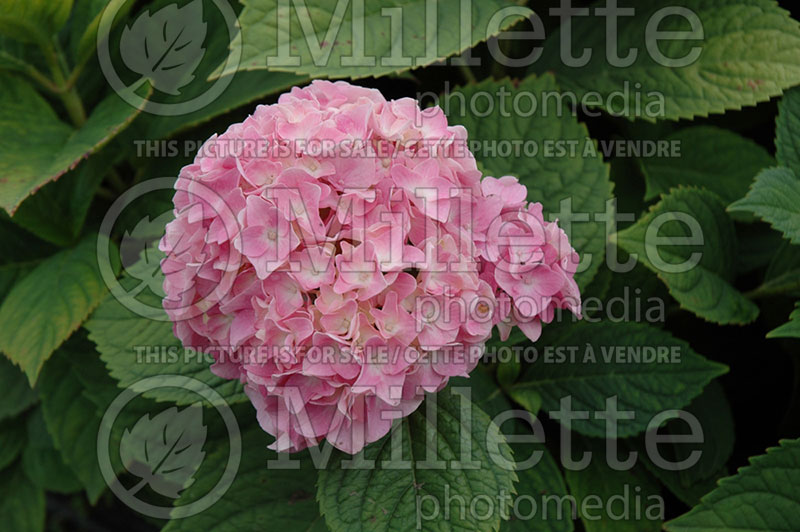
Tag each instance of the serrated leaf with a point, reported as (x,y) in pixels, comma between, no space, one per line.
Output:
(166,46)
(323,32)
(283,498)
(43,309)
(17,394)
(775,198)
(749,52)
(385,498)
(134,347)
(41,461)
(762,497)
(787,131)
(12,439)
(614,489)
(689,241)
(33,20)
(713,158)
(38,147)
(645,385)
(578,176)
(166,450)
(790,329)
(712,412)
(22,507)
(57,211)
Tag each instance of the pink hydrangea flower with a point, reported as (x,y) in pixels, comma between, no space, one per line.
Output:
(341,255)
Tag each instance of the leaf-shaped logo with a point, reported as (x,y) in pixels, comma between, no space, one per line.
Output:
(166,46)
(165,451)
(139,258)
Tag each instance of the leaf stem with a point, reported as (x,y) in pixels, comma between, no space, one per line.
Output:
(467,73)
(67,93)
(774,288)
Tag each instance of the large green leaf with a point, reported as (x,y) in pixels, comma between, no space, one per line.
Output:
(333,27)
(33,20)
(689,241)
(775,198)
(710,157)
(749,51)
(577,175)
(134,347)
(17,395)
(38,147)
(21,502)
(647,369)
(12,439)
(712,412)
(604,494)
(787,131)
(790,329)
(41,461)
(762,497)
(43,309)
(282,499)
(397,498)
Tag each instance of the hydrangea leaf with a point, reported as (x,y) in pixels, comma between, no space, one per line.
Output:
(775,198)
(749,52)
(689,241)
(712,411)
(39,147)
(22,504)
(324,33)
(284,498)
(787,131)
(33,20)
(12,439)
(710,157)
(578,176)
(48,304)
(41,461)
(239,88)
(387,498)
(763,496)
(617,359)
(17,394)
(600,482)
(134,347)
(790,329)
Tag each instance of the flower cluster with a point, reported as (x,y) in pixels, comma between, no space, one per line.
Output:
(375,274)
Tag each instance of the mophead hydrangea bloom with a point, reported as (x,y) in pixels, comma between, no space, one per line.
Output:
(341,255)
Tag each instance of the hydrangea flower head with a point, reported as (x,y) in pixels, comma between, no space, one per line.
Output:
(341,255)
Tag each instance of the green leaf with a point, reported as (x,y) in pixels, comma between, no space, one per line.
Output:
(283,498)
(33,20)
(775,198)
(787,131)
(39,147)
(749,51)
(58,210)
(41,461)
(22,506)
(761,497)
(240,88)
(544,484)
(43,309)
(134,347)
(689,241)
(790,329)
(605,496)
(647,369)
(334,28)
(17,395)
(387,498)
(72,419)
(710,157)
(714,415)
(578,177)
(12,439)
(83,25)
